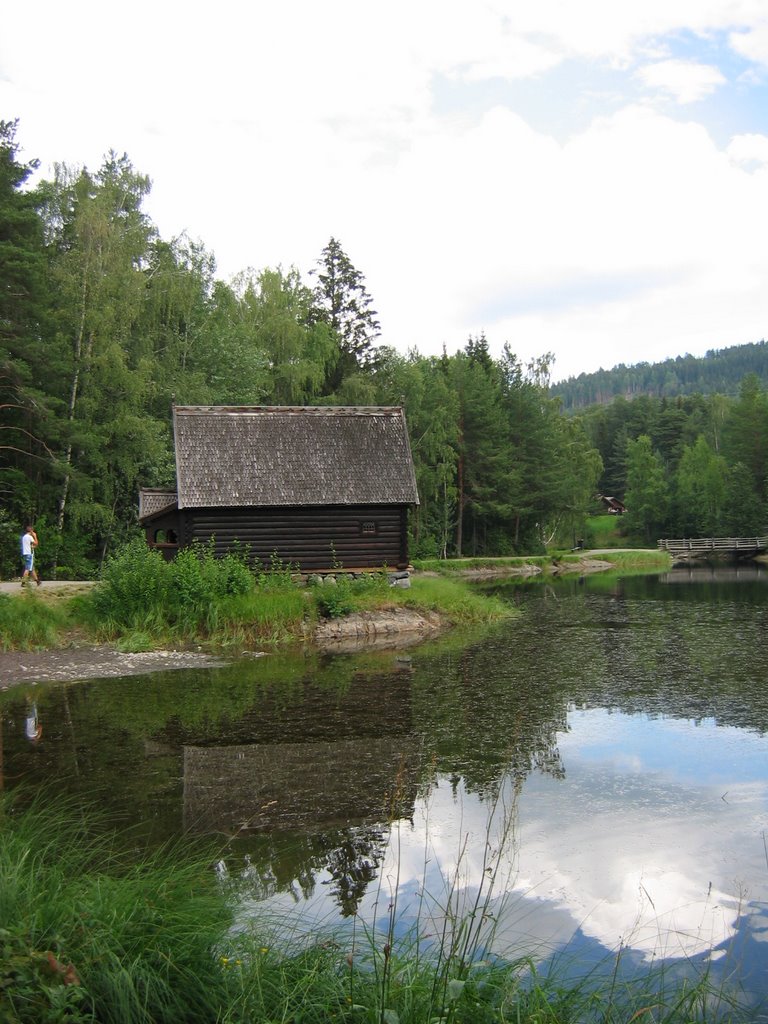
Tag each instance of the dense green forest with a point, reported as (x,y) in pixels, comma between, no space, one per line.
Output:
(104,324)
(718,372)
(695,466)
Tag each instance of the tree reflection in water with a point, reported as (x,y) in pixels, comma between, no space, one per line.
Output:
(293,760)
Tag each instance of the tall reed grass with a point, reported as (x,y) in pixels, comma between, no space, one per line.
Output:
(27,623)
(89,932)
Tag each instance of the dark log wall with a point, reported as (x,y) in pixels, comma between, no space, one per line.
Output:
(349,537)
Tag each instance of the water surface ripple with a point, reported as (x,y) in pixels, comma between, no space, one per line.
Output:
(602,757)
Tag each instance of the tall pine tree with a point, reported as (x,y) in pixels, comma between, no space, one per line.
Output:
(342,301)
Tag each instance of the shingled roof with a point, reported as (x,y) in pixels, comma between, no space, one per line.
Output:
(276,455)
(153,500)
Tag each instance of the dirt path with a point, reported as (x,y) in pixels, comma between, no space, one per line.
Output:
(59,588)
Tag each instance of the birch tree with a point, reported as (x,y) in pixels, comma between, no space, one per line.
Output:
(99,240)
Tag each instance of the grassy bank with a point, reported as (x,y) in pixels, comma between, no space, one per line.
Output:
(143,602)
(638,559)
(89,934)
(27,623)
(459,566)
(641,558)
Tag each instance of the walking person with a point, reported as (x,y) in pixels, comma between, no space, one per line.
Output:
(28,545)
(32,726)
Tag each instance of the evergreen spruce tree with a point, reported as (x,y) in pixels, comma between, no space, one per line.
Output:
(745,433)
(342,301)
(701,487)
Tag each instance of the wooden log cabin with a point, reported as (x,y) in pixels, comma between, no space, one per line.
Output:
(320,488)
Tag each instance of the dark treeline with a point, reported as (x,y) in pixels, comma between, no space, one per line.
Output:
(695,466)
(103,324)
(718,372)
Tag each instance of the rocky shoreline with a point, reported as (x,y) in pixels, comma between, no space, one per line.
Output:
(389,629)
(382,630)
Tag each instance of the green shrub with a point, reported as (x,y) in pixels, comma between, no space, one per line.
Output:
(192,581)
(134,588)
(201,585)
(141,592)
(236,577)
(334,599)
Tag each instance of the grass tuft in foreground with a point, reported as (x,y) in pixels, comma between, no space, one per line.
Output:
(26,623)
(88,933)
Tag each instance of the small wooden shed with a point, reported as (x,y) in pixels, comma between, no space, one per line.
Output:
(317,486)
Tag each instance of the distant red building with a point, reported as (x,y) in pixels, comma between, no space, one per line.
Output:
(613,506)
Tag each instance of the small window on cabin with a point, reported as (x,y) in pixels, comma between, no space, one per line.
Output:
(368,528)
(166,537)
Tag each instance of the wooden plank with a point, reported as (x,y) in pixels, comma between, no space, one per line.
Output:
(310,538)
(693,546)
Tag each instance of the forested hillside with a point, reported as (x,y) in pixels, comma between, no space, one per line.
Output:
(104,324)
(692,467)
(718,372)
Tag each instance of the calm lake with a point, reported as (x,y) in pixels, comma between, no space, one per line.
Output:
(601,761)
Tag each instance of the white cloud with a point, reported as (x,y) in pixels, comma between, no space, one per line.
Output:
(644,214)
(749,150)
(686,81)
(666,877)
(606,29)
(752,43)
(267,128)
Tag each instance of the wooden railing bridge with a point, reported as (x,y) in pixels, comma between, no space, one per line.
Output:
(722,547)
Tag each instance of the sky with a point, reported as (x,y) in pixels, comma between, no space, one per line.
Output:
(584,179)
(669,861)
